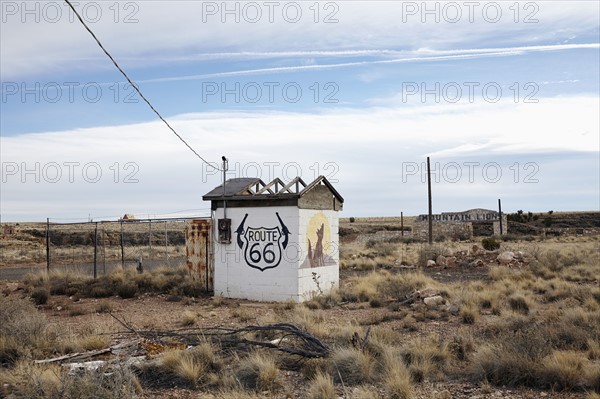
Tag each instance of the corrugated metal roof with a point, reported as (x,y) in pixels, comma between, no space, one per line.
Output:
(254,188)
(235,186)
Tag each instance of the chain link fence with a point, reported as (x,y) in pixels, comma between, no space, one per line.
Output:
(96,248)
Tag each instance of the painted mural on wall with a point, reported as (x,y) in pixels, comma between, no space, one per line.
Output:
(263,246)
(318,235)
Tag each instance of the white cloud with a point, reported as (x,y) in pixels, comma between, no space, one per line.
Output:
(363,149)
(168,31)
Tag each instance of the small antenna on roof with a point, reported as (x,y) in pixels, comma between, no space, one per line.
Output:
(225,167)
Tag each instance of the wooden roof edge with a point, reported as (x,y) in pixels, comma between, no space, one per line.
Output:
(316,182)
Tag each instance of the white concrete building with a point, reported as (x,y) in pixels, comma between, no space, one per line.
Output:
(276,241)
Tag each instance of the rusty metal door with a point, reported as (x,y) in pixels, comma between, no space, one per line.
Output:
(198,250)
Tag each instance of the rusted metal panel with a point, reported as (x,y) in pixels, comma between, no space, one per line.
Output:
(198,250)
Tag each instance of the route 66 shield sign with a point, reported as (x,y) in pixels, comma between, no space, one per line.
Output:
(262,246)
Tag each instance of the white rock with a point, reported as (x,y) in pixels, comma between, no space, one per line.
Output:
(433,301)
(430,263)
(441,260)
(505,257)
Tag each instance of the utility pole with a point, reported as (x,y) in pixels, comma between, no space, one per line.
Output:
(500,215)
(225,166)
(96,250)
(48,244)
(402,224)
(430,217)
(122,248)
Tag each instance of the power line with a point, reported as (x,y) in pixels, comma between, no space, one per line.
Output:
(135,86)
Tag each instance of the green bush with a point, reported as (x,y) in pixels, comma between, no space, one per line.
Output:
(490,244)
(40,296)
(127,290)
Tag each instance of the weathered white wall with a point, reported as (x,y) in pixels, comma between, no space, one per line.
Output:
(293,278)
(234,278)
(327,275)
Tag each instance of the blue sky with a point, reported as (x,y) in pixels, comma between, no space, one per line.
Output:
(503,96)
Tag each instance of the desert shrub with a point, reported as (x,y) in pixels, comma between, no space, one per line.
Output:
(430,252)
(40,296)
(383,248)
(104,307)
(258,371)
(563,371)
(460,346)
(188,318)
(352,219)
(189,367)
(324,301)
(403,240)
(490,244)
(352,366)
(22,328)
(396,376)
(321,387)
(50,382)
(502,365)
(518,304)
(469,314)
(375,302)
(424,358)
(127,290)
(76,311)
(364,392)
(125,283)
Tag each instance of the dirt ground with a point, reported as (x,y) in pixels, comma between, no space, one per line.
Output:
(157,311)
(164,312)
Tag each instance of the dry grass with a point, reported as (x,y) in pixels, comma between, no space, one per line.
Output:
(124,283)
(352,366)
(425,358)
(188,318)
(322,387)
(396,376)
(51,382)
(192,367)
(258,371)
(364,393)
(534,326)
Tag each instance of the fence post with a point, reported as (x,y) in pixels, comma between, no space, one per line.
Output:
(103,250)
(166,244)
(402,224)
(96,250)
(48,244)
(500,215)
(122,248)
(150,239)
(430,238)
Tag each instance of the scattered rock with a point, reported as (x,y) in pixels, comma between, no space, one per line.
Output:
(433,301)
(476,263)
(430,263)
(428,292)
(477,249)
(441,260)
(12,287)
(452,261)
(505,257)
(453,309)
